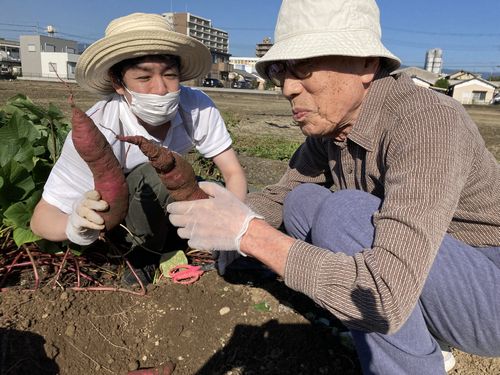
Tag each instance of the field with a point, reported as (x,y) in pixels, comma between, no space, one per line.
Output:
(245,323)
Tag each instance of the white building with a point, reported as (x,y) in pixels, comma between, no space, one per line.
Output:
(244,63)
(434,60)
(45,56)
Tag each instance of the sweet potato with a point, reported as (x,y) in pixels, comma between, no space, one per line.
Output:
(174,171)
(109,179)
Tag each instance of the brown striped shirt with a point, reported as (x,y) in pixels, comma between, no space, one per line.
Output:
(419,152)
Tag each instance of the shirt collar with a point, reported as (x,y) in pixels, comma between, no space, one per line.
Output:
(364,130)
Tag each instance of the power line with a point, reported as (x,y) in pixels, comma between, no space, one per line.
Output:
(474,35)
(16,24)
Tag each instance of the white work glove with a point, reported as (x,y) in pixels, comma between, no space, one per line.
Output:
(217,223)
(84,223)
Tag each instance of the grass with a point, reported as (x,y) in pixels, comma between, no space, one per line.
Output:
(263,146)
(267,147)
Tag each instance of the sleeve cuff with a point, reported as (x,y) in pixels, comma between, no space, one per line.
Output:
(302,265)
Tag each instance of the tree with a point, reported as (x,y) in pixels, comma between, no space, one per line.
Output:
(442,83)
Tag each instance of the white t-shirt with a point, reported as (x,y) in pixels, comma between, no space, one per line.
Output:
(197,124)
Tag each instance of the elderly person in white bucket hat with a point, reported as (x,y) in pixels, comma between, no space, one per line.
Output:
(138,67)
(389,211)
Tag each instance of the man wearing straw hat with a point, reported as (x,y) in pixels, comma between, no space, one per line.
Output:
(390,209)
(137,66)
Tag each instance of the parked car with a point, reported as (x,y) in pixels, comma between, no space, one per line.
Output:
(496,99)
(212,82)
(241,85)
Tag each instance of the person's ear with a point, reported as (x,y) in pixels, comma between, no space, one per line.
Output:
(370,68)
(117,84)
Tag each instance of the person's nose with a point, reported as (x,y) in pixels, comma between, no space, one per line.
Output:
(291,87)
(160,87)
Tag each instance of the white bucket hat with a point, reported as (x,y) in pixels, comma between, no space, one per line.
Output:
(135,35)
(313,28)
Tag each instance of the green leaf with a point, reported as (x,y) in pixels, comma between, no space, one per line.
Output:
(25,128)
(54,113)
(49,246)
(38,150)
(25,155)
(32,201)
(17,138)
(17,215)
(24,235)
(18,183)
(32,110)
(31,141)
(52,146)
(262,307)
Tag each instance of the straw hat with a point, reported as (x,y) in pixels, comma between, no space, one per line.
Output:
(139,34)
(313,28)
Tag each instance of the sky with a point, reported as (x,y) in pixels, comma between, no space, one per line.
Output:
(468,32)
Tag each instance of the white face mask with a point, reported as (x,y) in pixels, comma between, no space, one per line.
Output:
(154,109)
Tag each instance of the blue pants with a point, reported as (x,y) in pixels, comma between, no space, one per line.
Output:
(460,302)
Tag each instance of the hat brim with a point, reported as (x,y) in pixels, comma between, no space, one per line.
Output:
(94,63)
(358,43)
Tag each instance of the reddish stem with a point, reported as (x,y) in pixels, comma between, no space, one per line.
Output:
(60,268)
(35,271)
(77,267)
(10,267)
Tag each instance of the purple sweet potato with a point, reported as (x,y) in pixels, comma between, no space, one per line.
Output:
(109,179)
(175,172)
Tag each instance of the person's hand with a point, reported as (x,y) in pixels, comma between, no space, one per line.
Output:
(217,223)
(84,223)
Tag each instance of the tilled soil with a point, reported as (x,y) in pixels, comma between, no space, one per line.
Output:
(247,322)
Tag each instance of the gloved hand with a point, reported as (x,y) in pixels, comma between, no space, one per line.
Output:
(217,223)
(84,223)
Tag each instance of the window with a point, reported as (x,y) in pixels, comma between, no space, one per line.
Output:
(478,96)
(31,48)
(71,68)
(52,67)
(70,50)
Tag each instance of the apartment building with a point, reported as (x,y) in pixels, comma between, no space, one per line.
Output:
(262,47)
(215,39)
(244,63)
(45,56)
(10,60)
